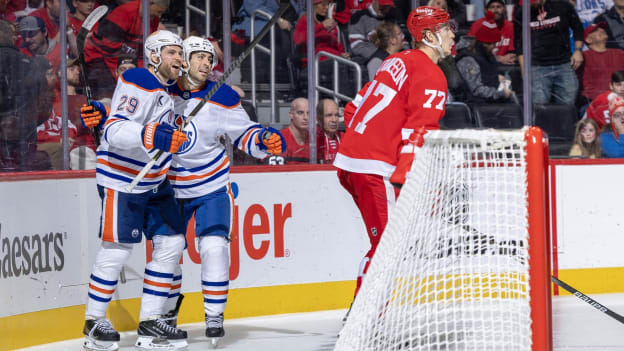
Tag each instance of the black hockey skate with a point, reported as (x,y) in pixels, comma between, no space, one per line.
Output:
(100,335)
(214,328)
(156,334)
(172,316)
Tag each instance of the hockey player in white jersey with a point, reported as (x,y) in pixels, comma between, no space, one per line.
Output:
(199,172)
(132,134)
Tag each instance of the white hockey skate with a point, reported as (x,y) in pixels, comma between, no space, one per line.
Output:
(214,329)
(100,335)
(156,334)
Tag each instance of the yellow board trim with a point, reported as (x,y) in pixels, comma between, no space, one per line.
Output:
(593,280)
(48,326)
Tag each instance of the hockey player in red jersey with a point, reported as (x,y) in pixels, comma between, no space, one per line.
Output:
(407,94)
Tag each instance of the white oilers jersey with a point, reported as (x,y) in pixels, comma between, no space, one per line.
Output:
(139,99)
(201,166)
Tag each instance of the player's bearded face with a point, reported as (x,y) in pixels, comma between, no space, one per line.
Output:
(200,65)
(171,57)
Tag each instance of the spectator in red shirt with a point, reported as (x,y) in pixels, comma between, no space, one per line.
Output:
(599,62)
(326,38)
(504,50)
(296,134)
(598,110)
(50,16)
(119,32)
(83,9)
(327,136)
(35,40)
(5,14)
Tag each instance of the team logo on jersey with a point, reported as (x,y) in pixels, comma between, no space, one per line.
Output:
(191,134)
(160,101)
(186,94)
(135,233)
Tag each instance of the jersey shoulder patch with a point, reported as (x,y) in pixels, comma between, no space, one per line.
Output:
(142,79)
(225,96)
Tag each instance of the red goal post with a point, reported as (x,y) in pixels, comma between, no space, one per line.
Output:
(464,262)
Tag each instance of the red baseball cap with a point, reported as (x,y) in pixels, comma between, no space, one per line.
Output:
(386,3)
(593,27)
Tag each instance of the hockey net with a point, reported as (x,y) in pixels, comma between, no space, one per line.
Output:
(462,264)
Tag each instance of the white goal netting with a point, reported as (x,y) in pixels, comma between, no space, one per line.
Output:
(451,270)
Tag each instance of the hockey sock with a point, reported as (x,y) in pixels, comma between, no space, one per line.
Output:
(176,286)
(215,270)
(108,263)
(159,274)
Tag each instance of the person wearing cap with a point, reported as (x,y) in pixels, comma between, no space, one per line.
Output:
(614,18)
(119,32)
(35,40)
(504,50)
(598,62)
(552,60)
(477,65)
(125,63)
(612,136)
(50,15)
(363,23)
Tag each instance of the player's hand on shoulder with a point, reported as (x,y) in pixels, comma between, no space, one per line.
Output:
(93,115)
(163,137)
(271,141)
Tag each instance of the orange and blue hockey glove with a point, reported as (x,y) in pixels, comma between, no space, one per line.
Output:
(93,115)
(163,137)
(271,141)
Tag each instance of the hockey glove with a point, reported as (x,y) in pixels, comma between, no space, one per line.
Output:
(93,115)
(162,137)
(406,157)
(271,141)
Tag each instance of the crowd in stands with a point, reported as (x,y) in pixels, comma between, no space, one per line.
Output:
(577,55)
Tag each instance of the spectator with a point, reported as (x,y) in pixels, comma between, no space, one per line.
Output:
(505,46)
(612,136)
(296,134)
(455,9)
(83,9)
(119,32)
(614,18)
(599,62)
(75,100)
(31,6)
(283,40)
(19,88)
(124,63)
(586,142)
(50,15)
(598,110)
(326,38)
(477,64)
(388,39)
(5,14)
(327,136)
(36,41)
(553,76)
(362,26)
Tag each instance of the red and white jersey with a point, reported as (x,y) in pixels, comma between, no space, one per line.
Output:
(598,110)
(409,91)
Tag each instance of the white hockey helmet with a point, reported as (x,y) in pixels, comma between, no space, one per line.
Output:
(156,41)
(193,44)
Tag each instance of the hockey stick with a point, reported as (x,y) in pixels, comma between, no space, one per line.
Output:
(87,25)
(589,300)
(234,65)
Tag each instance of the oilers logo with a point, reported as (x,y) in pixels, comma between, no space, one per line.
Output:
(191,134)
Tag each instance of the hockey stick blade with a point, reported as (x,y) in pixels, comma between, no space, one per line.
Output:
(284,4)
(595,304)
(87,25)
